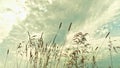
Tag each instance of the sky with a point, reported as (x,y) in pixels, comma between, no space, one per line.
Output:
(88,16)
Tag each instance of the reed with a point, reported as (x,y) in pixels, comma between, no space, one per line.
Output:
(69,27)
(52,55)
(6,58)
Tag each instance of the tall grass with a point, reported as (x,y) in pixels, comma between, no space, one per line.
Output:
(40,54)
(6,58)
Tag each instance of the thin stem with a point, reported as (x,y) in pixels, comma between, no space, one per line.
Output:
(5,61)
(111,58)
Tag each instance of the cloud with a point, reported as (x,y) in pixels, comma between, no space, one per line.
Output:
(104,17)
(45,16)
(97,15)
(85,15)
(9,15)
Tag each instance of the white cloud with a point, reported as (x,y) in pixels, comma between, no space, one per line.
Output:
(11,13)
(94,22)
(99,14)
(68,11)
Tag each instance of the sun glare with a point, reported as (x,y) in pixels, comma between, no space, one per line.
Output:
(13,11)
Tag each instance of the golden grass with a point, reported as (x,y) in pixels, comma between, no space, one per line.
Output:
(52,55)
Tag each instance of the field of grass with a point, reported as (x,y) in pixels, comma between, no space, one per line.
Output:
(38,54)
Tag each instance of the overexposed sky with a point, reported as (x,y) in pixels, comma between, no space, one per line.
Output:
(11,12)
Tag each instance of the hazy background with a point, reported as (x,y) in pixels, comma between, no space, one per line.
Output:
(96,17)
